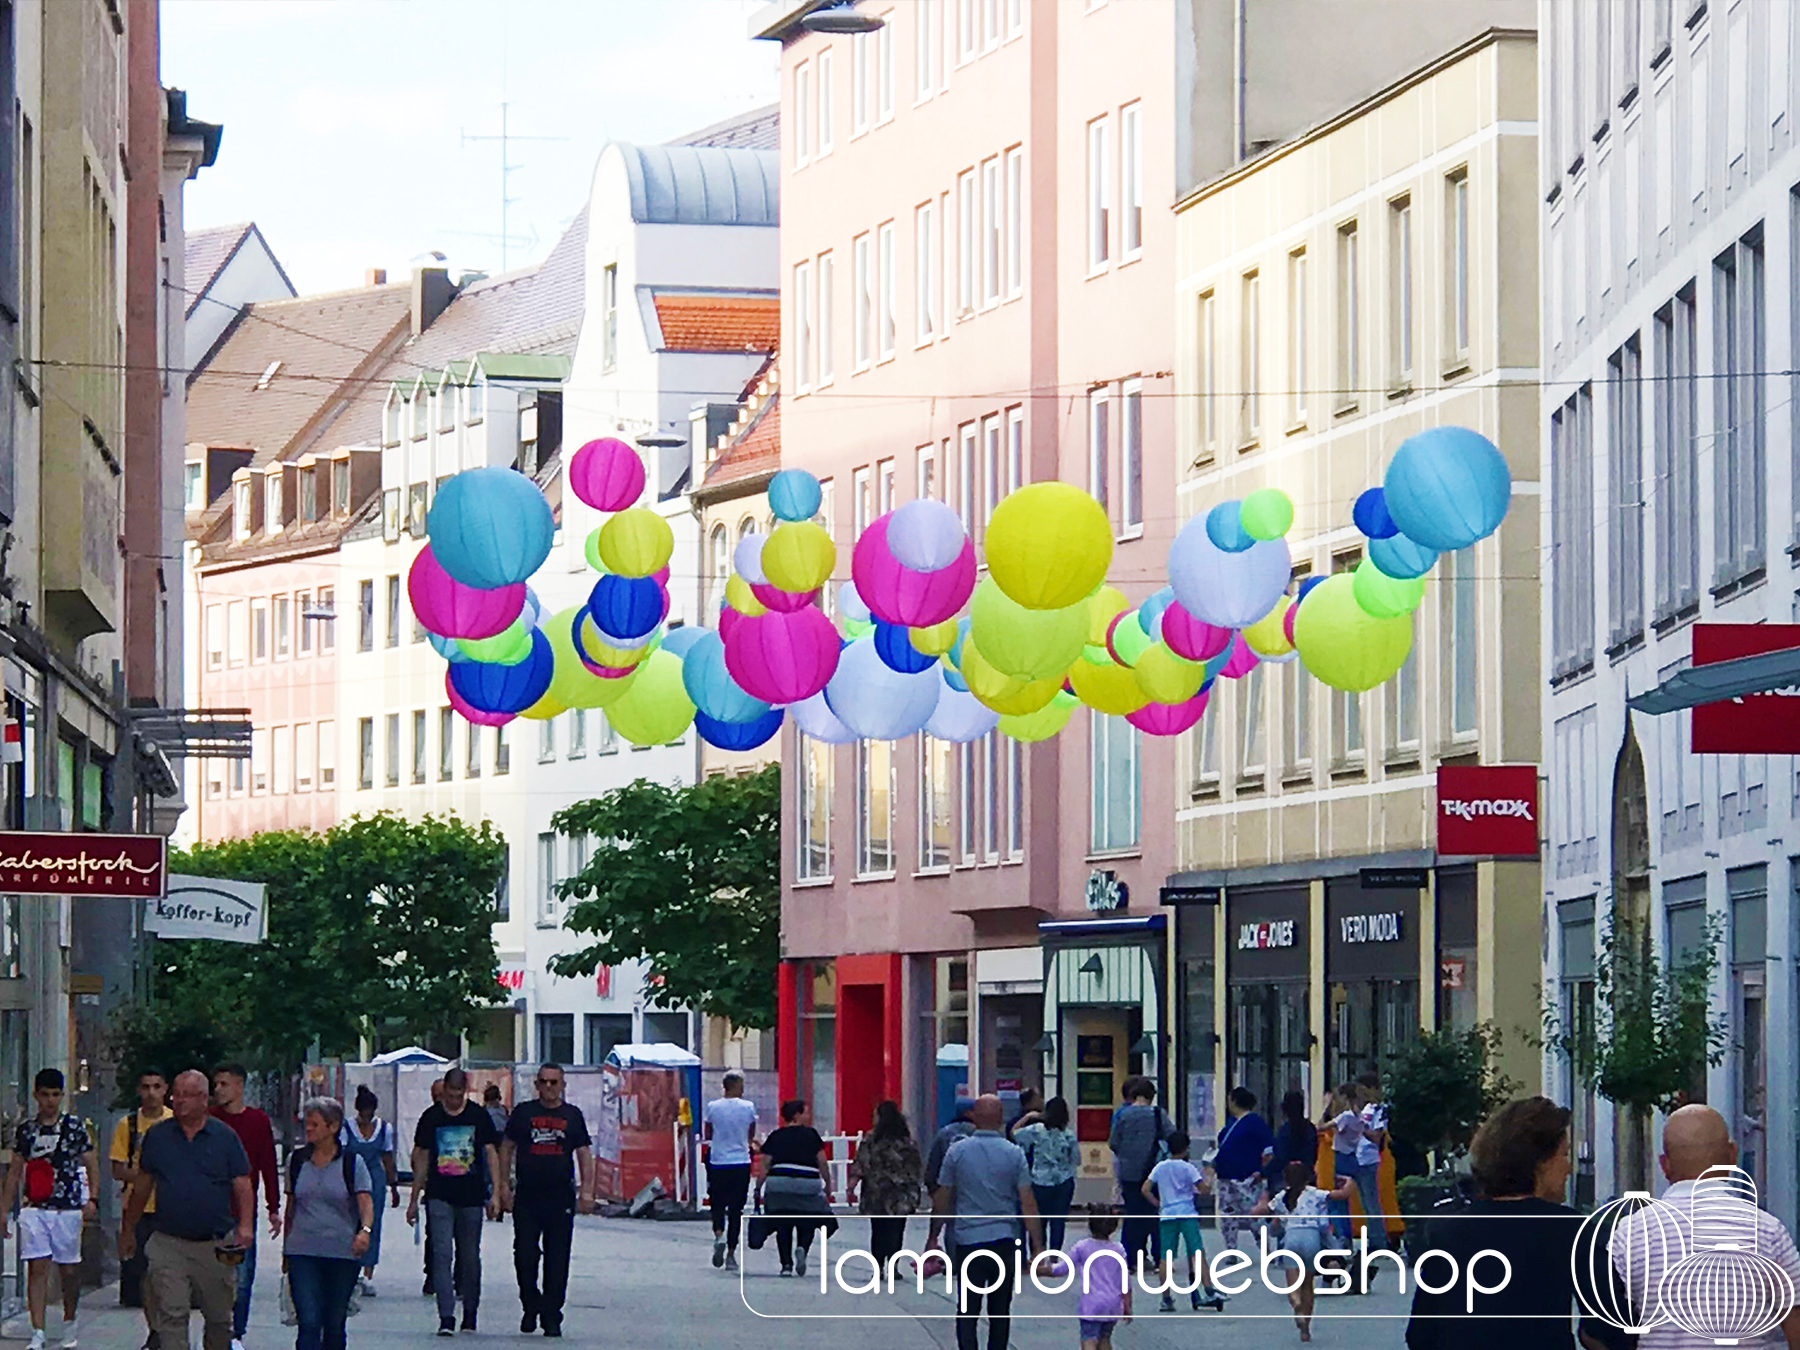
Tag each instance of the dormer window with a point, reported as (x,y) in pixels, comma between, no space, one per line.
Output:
(421,425)
(340,487)
(193,485)
(240,508)
(476,395)
(390,420)
(446,401)
(309,495)
(272,502)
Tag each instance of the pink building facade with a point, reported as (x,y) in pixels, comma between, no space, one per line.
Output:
(977,251)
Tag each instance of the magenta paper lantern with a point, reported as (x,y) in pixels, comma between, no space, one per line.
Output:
(1169,719)
(729,619)
(782,658)
(1241,661)
(1191,638)
(782,602)
(469,712)
(1287,621)
(450,609)
(910,599)
(607,474)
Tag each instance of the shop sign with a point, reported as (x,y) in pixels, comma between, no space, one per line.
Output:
(1754,724)
(1451,972)
(1105,892)
(1191,895)
(82,864)
(512,979)
(1393,878)
(1262,936)
(1355,928)
(1488,810)
(209,908)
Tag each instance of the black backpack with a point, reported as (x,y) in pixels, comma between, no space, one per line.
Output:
(297,1160)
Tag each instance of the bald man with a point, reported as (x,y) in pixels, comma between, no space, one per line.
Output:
(1696,1138)
(985,1182)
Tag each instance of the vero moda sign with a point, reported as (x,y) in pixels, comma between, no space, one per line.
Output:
(1488,810)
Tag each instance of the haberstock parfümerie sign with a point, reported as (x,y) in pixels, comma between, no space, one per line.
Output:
(82,864)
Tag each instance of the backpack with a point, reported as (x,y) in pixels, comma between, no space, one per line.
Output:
(297,1160)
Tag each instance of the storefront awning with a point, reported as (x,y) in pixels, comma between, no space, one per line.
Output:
(1137,923)
(1718,681)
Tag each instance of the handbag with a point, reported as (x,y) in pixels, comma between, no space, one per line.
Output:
(290,1315)
(756,1230)
(1210,1158)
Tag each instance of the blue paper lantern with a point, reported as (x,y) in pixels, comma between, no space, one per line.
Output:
(1151,611)
(795,495)
(893,643)
(1401,558)
(815,720)
(492,688)
(738,735)
(627,608)
(959,717)
(1306,588)
(1371,515)
(1225,527)
(448,648)
(711,687)
(681,638)
(490,527)
(877,702)
(1447,487)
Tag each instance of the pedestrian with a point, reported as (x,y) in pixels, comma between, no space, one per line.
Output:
(455,1153)
(984,1182)
(1345,1124)
(890,1173)
(1305,1213)
(1372,1114)
(1296,1140)
(1051,1148)
(371,1138)
(547,1140)
(55,1161)
(205,1215)
(1139,1130)
(1173,1187)
(496,1109)
(1237,1165)
(729,1125)
(941,1234)
(254,1131)
(437,1099)
(1105,1298)
(1031,1108)
(795,1178)
(127,1138)
(330,1224)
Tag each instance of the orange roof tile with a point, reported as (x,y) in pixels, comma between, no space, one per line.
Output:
(757,451)
(718,323)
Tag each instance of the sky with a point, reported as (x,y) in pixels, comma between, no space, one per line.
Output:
(346,120)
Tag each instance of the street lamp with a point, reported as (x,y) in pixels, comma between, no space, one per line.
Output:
(661,440)
(841,21)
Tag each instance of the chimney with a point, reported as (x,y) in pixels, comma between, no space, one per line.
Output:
(375,276)
(432,292)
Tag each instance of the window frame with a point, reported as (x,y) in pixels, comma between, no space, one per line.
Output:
(1131,183)
(1099,194)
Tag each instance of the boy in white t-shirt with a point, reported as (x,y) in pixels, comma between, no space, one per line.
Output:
(1173,1185)
(730,1133)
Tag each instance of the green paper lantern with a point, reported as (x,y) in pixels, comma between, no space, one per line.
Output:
(1266,513)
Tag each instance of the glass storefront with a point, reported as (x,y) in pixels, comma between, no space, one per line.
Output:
(1197,979)
(1458,966)
(1372,970)
(1268,957)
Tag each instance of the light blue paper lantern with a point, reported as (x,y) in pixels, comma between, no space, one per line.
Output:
(1151,611)
(878,703)
(959,716)
(490,527)
(1225,527)
(815,720)
(925,535)
(1447,487)
(711,687)
(448,648)
(1401,558)
(795,495)
(1225,589)
(682,637)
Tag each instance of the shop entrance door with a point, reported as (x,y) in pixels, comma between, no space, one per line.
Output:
(1748,1017)
(1095,1064)
(1269,1034)
(1372,1022)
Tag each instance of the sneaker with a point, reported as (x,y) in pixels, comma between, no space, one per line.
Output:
(37,1340)
(1168,1303)
(553,1329)
(69,1339)
(1214,1300)
(527,1324)
(468,1319)
(731,1261)
(368,1286)
(446,1326)
(237,1343)
(718,1251)
(786,1271)
(800,1262)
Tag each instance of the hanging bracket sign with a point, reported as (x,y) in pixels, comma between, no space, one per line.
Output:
(82,864)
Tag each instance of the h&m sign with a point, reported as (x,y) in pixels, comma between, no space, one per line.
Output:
(1261,936)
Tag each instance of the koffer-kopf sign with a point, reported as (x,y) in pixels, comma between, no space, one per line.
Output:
(209,907)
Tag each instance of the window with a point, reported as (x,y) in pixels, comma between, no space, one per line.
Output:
(992,209)
(393,611)
(1015,448)
(240,508)
(239,778)
(1131,181)
(967,795)
(1781,24)
(1015,17)
(1099,445)
(215,637)
(1250,361)
(1698,108)
(577,732)
(445,398)
(1131,456)
(1572,526)
(607,742)
(1252,753)
(475,395)
(865,301)
(993,469)
(1015,798)
(1401,697)
(305,749)
(1296,722)
(259,631)
(390,420)
(365,609)
(1739,445)
(193,486)
(1400,291)
(719,554)
(874,808)
(813,832)
(934,802)
(340,487)
(328,754)
(862,93)
(990,796)
(827,329)
(965,473)
(309,495)
(884,487)
(284,618)
(925,479)
(1625,513)
(502,752)
(365,752)
(924,276)
(967,38)
(1346,709)
(827,103)
(272,519)
(556,1038)
(609,316)
(1349,322)
(1206,350)
(802,114)
(1015,216)
(547,878)
(472,760)
(884,68)
(237,632)
(1113,769)
(1677,459)
(281,754)
(328,625)
(580,846)
(421,754)
(889,292)
(924,48)
(1456,261)
(391,762)
(259,760)
(446,744)
(803,327)
(417,503)
(1099,191)
(1459,591)
(547,740)
(861,500)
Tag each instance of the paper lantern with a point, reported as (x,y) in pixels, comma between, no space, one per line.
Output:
(1288,616)
(1267,637)
(1446,487)
(814,719)
(782,658)
(876,702)
(1170,719)
(925,535)
(505,648)
(1167,678)
(1370,515)
(1028,644)
(1343,646)
(543,710)
(1048,545)
(1267,513)
(738,735)
(607,474)
(636,543)
(798,557)
(1104,605)
(983,680)
(682,639)
(960,717)
(1023,698)
(1108,689)
(655,710)
(1240,661)
(782,602)
(795,495)
(506,689)
(473,715)
(1150,612)
(490,527)
(937,638)
(572,684)
(1401,558)
(746,558)
(1637,1232)
(628,608)
(443,605)
(896,594)
(448,648)
(532,613)
(710,686)
(741,596)
(1190,638)
(1226,589)
(1382,596)
(1042,724)
(1225,527)
(595,650)
(894,646)
(1126,639)
(591,550)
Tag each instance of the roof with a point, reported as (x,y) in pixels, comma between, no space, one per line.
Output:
(750,452)
(710,322)
(702,185)
(208,251)
(523,366)
(758,130)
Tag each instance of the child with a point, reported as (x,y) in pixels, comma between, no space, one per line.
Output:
(1305,1210)
(1105,1292)
(1172,1186)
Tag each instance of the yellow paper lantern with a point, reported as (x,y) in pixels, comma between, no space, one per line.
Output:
(1029,644)
(1027,698)
(1104,606)
(983,680)
(1167,678)
(1344,646)
(935,640)
(1111,688)
(636,543)
(543,710)
(1042,724)
(600,652)
(1267,636)
(798,557)
(656,709)
(739,596)
(572,684)
(1048,545)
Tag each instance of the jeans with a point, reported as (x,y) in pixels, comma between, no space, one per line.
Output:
(246,1281)
(1141,1220)
(548,1222)
(1368,1189)
(727,1188)
(1053,1209)
(999,1302)
(455,1232)
(887,1235)
(321,1286)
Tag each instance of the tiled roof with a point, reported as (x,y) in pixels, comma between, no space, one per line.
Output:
(752,447)
(207,251)
(718,323)
(758,130)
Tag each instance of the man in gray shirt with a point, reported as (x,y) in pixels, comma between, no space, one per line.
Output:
(984,1182)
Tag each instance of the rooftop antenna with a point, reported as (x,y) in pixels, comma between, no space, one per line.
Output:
(506,138)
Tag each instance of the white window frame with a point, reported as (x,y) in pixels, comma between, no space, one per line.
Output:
(993,209)
(925,49)
(968,45)
(861,499)
(991,30)
(803,114)
(1131,458)
(968,445)
(1131,182)
(1015,222)
(827,85)
(888,321)
(925,281)
(1403,350)
(1099,195)
(1349,315)
(1100,445)
(926,482)
(886,77)
(824,333)
(862,96)
(1297,388)
(803,328)
(993,466)
(1015,447)
(1102,733)
(1250,360)
(967,233)
(863,247)
(1206,352)
(1457,296)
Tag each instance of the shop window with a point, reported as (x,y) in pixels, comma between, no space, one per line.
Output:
(1458,968)
(817,1052)
(666,1026)
(604,1031)
(556,1038)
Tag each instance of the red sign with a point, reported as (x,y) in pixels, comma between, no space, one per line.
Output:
(512,979)
(603,982)
(82,864)
(1756,724)
(1452,970)
(1489,810)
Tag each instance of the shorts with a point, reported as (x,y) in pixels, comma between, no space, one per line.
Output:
(1304,1243)
(52,1233)
(1185,1229)
(1097,1331)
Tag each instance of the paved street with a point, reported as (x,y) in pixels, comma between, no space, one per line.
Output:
(651,1286)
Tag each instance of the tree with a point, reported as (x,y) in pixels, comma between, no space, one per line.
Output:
(1442,1087)
(687,879)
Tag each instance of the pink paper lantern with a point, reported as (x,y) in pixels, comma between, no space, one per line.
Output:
(607,474)
(450,609)
(1241,661)
(782,658)
(783,602)
(1192,638)
(1169,719)
(470,713)
(728,621)
(1287,621)
(910,599)
(662,577)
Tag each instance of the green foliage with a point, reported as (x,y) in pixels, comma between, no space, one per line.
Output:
(1443,1086)
(166,1040)
(689,880)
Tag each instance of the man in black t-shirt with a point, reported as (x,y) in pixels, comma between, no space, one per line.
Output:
(548,1139)
(455,1153)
